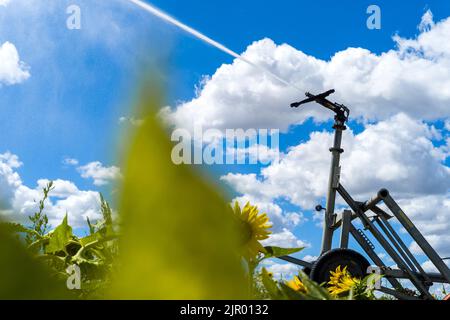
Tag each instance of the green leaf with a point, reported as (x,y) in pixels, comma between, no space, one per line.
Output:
(271,285)
(59,237)
(90,238)
(275,252)
(8,227)
(38,244)
(179,239)
(22,277)
(91,227)
(291,294)
(315,291)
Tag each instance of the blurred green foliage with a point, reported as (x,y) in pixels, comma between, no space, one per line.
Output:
(180,240)
(22,276)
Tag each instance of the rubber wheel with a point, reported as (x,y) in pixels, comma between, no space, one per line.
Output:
(356,264)
(307,271)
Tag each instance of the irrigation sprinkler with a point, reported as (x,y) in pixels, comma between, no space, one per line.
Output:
(375,221)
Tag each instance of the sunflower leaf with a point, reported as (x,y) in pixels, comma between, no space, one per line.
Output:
(179,239)
(59,237)
(315,291)
(271,286)
(9,227)
(275,252)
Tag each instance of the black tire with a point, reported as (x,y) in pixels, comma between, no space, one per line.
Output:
(356,264)
(307,271)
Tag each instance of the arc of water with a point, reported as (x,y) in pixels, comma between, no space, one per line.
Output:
(164,16)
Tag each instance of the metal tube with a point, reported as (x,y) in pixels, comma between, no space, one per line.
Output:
(375,200)
(405,248)
(333,182)
(396,245)
(399,274)
(296,261)
(372,255)
(345,228)
(387,247)
(397,294)
(418,237)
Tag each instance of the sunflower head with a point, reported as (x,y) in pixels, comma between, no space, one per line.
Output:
(341,281)
(297,285)
(254,228)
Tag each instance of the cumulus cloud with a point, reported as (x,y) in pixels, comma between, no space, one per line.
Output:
(4,2)
(280,271)
(285,238)
(100,174)
(397,153)
(447,124)
(9,178)
(431,214)
(428,266)
(427,22)
(413,78)
(18,200)
(12,69)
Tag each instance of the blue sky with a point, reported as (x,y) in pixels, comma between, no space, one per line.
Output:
(82,81)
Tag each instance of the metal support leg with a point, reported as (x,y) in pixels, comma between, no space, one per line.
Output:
(418,237)
(406,250)
(372,255)
(395,244)
(345,228)
(385,244)
(333,183)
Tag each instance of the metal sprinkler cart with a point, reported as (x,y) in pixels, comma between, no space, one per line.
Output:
(375,221)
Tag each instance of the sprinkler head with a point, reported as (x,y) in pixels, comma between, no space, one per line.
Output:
(319,208)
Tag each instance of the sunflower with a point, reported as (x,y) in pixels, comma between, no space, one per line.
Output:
(297,285)
(254,228)
(341,281)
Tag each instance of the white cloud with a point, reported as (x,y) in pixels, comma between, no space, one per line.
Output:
(12,70)
(100,174)
(310,258)
(431,214)
(61,188)
(4,2)
(427,23)
(18,201)
(428,266)
(257,153)
(280,271)
(70,162)
(397,153)
(285,239)
(447,125)
(9,178)
(414,79)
